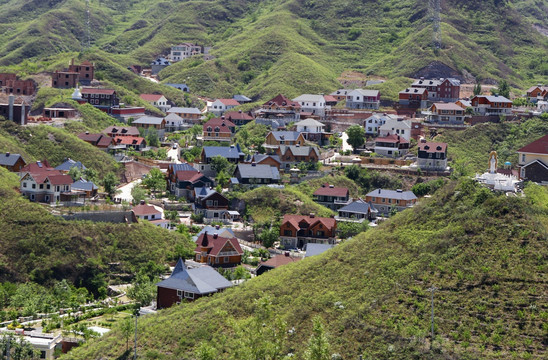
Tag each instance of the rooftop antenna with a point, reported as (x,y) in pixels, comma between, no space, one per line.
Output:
(435,6)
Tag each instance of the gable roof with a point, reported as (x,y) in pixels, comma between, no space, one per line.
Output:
(180,167)
(151,97)
(294,220)
(309,122)
(8,159)
(144,209)
(184,110)
(200,280)
(330,190)
(36,167)
(493,98)
(433,147)
(160,61)
(329,98)
(237,115)
(189,175)
(215,242)
(313,249)
(447,106)
(285,135)
(229,102)
(412,90)
(174,118)
(364,92)
(59,179)
(69,163)
(229,152)
(223,124)
(281,100)
(358,206)
(84,185)
(279,260)
(258,158)
(128,140)
(393,194)
(309,98)
(391,139)
(539,146)
(341,92)
(222,231)
(152,120)
(122,130)
(98,91)
(299,150)
(100,140)
(258,171)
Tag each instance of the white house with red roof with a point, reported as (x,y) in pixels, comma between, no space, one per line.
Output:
(432,156)
(533,161)
(331,196)
(219,106)
(156,100)
(391,146)
(152,213)
(41,183)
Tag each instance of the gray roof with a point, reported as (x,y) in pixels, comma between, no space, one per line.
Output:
(316,249)
(178,86)
(203,192)
(200,280)
(309,122)
(260,157)
(184,110)
(148,120)
(221,231)
(382,117)
(84,185)
(309,98)
(258,171)
(393,194)
(7,159)
(436,82)
(69,163)
(174,117)
(341,92)
(229,152)
(299,150)
(359,207)
(365,92)
(286,135)
(181,167)
(496,98)
(241,98)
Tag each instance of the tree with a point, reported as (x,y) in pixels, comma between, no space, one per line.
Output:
(504,89)
(109,183)
(152,138)
(142,290)
(205,352)
(127,328)
(19,348)
(318,345)
(223,179)
(269,236)
(219,163)
(347,229)
(138,194)
(75,173)
(356,136)
(91,175)
(477,89)
(155,180)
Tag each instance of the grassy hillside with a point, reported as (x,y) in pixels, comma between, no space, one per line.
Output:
(472,146)
(40,247)
(260,45)
(486,254)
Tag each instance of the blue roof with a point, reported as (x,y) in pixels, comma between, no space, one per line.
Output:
(258,171)
(212,230)
(181,167)
(229,152)
(69,163)
(316,249)
(286,135)
(200,280)
(84,185)
(358,206)
(8,159)
(203,192)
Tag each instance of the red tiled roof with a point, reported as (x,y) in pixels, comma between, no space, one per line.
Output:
(326,190)
(151,97)
(392,139)
(188,175)
(280,260)
(60,179)
(216,244)
(35,167)
(237,115)
(539,146)
(144,209)
(229,102)
(447,106)
(433,147)
(281,100)
(223,124)
(97,91)
(329,98)
(100,140)
(128,140)
(294,220)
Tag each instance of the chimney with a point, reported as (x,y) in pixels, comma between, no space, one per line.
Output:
(215,235)
(286,253)
(239,111)
(8,154)
(379,191)
(222,117)
(423,141)
(217,227)
(312,215)
(331,186)
(142,202)
(399,190)
(253,163)
(10,110)
(87,132)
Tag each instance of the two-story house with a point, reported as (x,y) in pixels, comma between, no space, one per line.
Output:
(103,99)
(291,155)
(396,126)
(491,105)
(216,250)
(189,284)
(188,180)
(357,211)
(190,115)
(114,130)
(533,161)
(446,90)
(432,156)
(41,183)
(373,123)
(136,143)
(331,196)
(157,100)
(212,204)
(446,113)
(276,138)
(256,174)
(148,123)
(175,123)
(537,93)
(391,146)
(414,98)
(184,51)
(219,106)
(218,129)
(312,104)
(386,200)
(363,99)
(239,117)
(171,175)
(75,74)
(12,162)
(158,65)
(312,130)
(340,94)
(298,230)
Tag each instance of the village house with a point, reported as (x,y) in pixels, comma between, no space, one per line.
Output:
(330,100)
(136,143)
(218,129)
(373,123)
(533,161)
(218,251)
(312,130)
(239,117)
(363,99)
(291,155)
(387,200)
(171,175)
(213,205)
(256,174)
(5,77)
(100,141)
(158,65)
(446,90)
(278,112)
(74,75)
(276,138)
(103,99)
(157,100)
(68,164)
(151,122)
(446,113)
(312,104)
(464,103)
(152,213)
(12,162)
(537,93)
(219,106)
(189,284)
(41,183)
(357,211)
(114,130)
(265,159)
(432,156)
(19,87)
(491,105)
(391,146)
(340,94)
(232,153)
(275,262)
(413,98)
(397,126)
(175,123)
(298,230)
(186,181)
(87,188)
(190,115)
(331,196)
(184,51)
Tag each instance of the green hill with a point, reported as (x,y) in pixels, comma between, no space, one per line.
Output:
(290,46)
(40,247)
(485,253)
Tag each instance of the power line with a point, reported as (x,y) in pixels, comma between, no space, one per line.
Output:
(435,6)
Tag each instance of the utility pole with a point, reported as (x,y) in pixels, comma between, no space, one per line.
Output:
(136,317)
(432,289)
(435,8)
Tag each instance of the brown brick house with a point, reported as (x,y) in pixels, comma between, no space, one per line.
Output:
(299,230)
(216,250)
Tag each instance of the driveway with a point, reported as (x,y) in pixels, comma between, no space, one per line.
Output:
(173,154)
(345,145)
(124,193)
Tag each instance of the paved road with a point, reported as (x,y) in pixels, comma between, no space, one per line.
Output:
(125,191)
(173,154)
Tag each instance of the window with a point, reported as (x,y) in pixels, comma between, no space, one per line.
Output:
(382,200)
(146,217)
(209,202)
(41,186)
(390,201)
(216,260)
(523,157)
(24,184)
(226,260)
(179,293)
(372,199)
(189,295)
(34,186)
(288,232)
